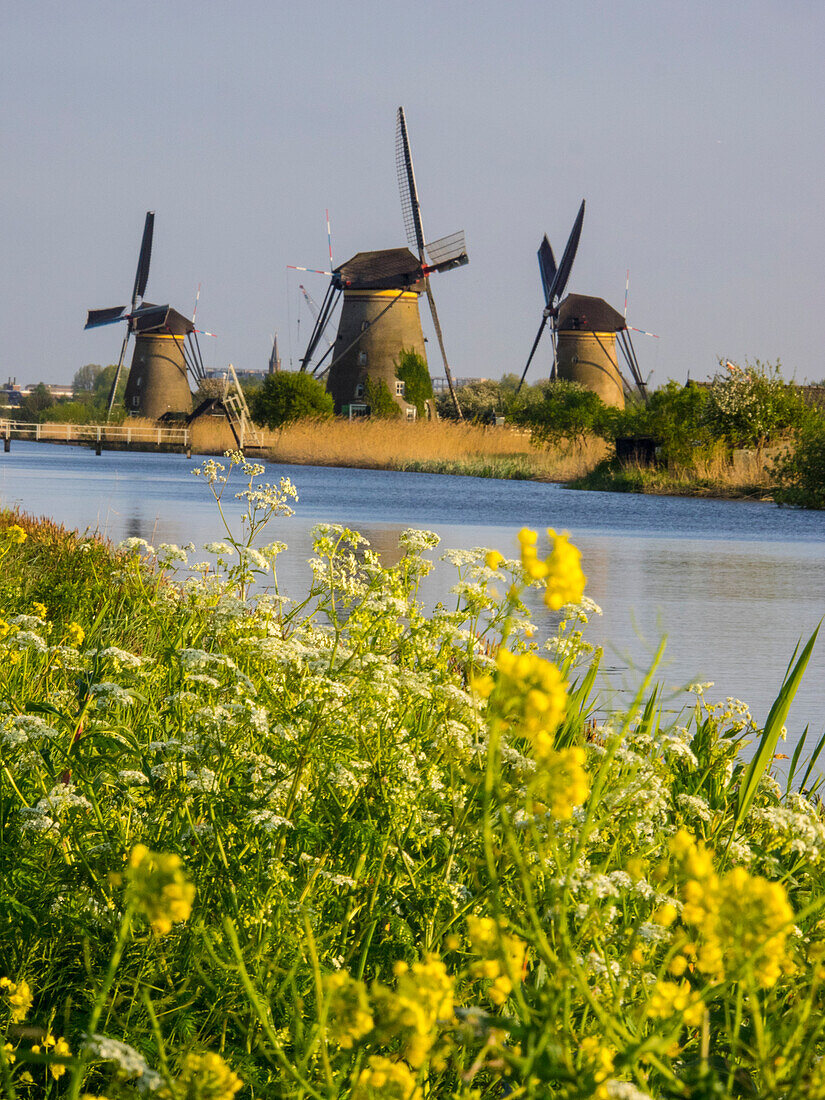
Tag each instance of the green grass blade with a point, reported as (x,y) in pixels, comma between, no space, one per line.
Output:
(773,726)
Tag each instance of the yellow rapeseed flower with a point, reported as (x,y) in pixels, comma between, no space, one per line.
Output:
(19,996)
(531,696)
(676,999)
(158,886)
(15,534)
(349,1009)
(40,610)
(565,580)
(5,628)
(385,1079)
(206,1076)
(561,571)
(75,633)
(560,782)
(742,920)
(494,559)
(502,955)
(416,1009)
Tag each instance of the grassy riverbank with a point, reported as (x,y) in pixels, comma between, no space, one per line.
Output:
(340,847)
(750,478)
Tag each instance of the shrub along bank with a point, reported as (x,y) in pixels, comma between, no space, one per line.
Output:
(346,847)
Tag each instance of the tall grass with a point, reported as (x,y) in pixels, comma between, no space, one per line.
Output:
(438,447)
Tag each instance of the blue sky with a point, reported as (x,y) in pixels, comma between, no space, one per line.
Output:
(694,131)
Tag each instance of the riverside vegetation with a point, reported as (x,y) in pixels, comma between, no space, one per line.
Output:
(747,433)
(334,845)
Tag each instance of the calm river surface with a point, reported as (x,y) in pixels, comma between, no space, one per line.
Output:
(733,585)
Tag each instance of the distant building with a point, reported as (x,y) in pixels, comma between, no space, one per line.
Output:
(440,383)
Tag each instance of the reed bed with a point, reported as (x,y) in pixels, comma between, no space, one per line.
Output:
(431,447)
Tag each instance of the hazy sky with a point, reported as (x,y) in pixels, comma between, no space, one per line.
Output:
(693,129)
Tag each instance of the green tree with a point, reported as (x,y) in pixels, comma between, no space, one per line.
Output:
(411,369)
(287,396)
(381,402)
(103,385)
(83,383)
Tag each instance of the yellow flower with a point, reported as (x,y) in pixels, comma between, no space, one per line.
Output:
(742,920)
(385,1079)
(16,535)
(561,571)
(598,1057)
(561,782)
(531,696)
(502,956)
(61,1048)
(565,580)
(207,1077)
(349,1008)
(40,610)
(416,1008)
(19,997)
(676,999)
(494,559)
(159,888)
(75,633)
(5,628)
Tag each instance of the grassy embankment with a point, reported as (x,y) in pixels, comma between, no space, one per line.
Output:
(748,477)
(345,849)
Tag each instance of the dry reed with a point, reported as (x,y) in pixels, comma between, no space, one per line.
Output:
(439,447)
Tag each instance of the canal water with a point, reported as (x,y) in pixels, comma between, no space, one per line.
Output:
(732,585)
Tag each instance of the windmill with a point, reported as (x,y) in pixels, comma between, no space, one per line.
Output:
(166,347)
(379,311)
(584,330)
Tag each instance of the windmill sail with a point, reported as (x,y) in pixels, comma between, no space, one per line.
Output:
(553,281)
(411,210)
(142,273)
(547,267)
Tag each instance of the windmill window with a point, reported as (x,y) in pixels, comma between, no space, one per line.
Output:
(139,381)
(135,401)
(399,389)
(362,358)
(411,410)
(359,390)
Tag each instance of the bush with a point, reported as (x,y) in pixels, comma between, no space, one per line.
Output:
(565,411)
(381,402)
(673,416)
(801,475)
(483,400)
(411,369)
(287,396)
(748,406)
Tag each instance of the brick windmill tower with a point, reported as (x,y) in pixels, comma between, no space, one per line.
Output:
(379,293)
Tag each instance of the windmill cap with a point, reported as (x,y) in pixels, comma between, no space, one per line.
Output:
(151,318)
(581,312)
(387,269)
